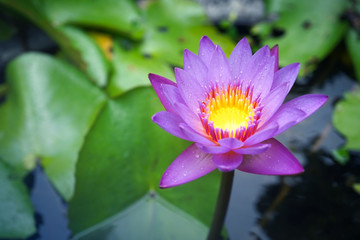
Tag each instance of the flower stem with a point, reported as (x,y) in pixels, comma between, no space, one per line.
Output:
(221,206)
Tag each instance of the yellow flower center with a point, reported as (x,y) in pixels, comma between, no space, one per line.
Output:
(230,112)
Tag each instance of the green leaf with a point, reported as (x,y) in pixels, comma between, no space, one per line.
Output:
(49,108)
(152,217)
(346,119)
(356,187)
(131,69)
(120,16)
(341,156)
(96,64)
(353,46)
(16,212)
(173,26)
(308,30)
(123,159)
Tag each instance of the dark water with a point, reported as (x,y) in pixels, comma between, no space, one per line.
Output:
(318,204)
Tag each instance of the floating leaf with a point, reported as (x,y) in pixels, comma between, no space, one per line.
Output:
(131,69)
(306,30)
(96,64)
(341,156)
(346,119)
(120,16)
(16,212)
(123,159)
(152,217)
(49,109)
(172,26)
(353,45)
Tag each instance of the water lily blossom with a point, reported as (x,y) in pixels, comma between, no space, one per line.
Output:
(231,108)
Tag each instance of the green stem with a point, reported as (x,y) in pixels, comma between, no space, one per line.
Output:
(221,205)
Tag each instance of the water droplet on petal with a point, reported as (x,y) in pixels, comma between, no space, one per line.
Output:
(197,155)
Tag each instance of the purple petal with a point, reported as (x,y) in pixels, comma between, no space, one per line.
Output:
(195,67)
(231,143)
(261,135)
(190,118)
(195,136)
(272,102)
(260,72)
(157,81)
(286,74)
(239,57)
(284,118)
(170,122)
(274,52)
(295,111)
(188,166)
(278,160)
(206,50)
(172,94)
(254,149)
(227,162)
(219,70)
(190,89)
(215,149)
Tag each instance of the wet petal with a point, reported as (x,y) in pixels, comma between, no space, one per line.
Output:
(272,102)
(157,81)
(172,94)
(195,136)
(231,143)
(188,166)
(190,89)
(189,117)
(286,74)
(274,51)
(219,70)
(214,149)
(228,161)
(261,135)
(194,66)
(239,57)
(260,72)
(295,111)
(277,160)
(254,149)
(206,50)
(170,122)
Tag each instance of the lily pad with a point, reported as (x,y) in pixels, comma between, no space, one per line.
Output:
(152,217)
(15,207)
(123,159)
(306,31)
(172,26)
(49,108)
(131,69)
(353,46)
(346,119)
(97,67)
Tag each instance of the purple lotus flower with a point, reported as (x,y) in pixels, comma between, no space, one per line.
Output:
(232,109)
